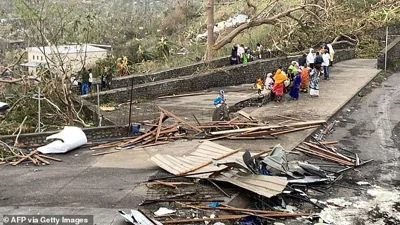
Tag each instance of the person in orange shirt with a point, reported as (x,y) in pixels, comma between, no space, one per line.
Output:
(259,85)
(279,86)
(305,78)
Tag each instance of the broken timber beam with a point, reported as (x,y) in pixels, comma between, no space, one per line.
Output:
(294,130)
(25,157)
(159,125)
(299,124)
(208,163)
(328,152)
(167,113)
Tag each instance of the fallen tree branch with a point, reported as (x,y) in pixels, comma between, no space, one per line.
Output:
(257,22)
(19,132)
(14,64)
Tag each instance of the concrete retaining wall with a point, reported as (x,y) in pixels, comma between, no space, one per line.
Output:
(121,82)
(232,75)
(91,133)
(393,55)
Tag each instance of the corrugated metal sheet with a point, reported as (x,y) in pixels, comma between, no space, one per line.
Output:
(263,185)
(267,186)
(204,153)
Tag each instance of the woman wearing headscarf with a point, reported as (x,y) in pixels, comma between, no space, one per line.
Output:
(331,53)
(279,86)
(295,89)
(269,82)
(305,79)
(314,83)
(311,58)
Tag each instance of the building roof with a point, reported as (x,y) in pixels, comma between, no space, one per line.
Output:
(67,49)
(31,64)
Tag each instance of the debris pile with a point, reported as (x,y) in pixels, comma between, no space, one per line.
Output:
(267,175)
(66,140)
(14,156)
(277,187)
(242,127)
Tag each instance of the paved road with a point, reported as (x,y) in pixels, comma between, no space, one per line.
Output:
(200,105)
(371,128)
(100,185)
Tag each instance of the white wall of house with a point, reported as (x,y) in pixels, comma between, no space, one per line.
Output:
(72,61)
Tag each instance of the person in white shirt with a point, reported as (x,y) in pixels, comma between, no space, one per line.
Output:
(259,48)
(90,79)
(331,53)
(311,58)
(326,57)
(240,52)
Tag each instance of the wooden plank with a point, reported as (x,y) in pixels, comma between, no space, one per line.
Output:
(153,144)
(51,158)
(299,124)
(246,115)
(160,121)
(25,157)
(294,130)
(41,159)
(255,133)
(137,139)
(219,137)
(105,153)
(324,156)
(180,119)
(326,142)
(209,162)
(326,152)
(188,221)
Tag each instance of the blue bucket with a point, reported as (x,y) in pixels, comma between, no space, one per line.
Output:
(135,128)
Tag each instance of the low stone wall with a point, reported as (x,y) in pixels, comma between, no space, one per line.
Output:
(393,55)
(194,68)
(232,75)
(91,111)
(121,82)
(94,133)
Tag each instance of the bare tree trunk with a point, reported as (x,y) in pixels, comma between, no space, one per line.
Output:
(210,30)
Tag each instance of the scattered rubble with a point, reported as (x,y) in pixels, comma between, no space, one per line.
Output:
(66,140)
(242,127)
(279,187)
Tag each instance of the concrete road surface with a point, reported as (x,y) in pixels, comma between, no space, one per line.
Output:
(84,184)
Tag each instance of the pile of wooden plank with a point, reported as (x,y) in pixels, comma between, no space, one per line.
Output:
(242,127)
(323,151)
(15,157)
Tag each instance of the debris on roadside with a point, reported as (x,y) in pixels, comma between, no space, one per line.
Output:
(242,127)
(66,140)
(278,187)
(137,217)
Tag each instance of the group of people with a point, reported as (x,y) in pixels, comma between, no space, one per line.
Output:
(242,54)
(301,76)
(85,80)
